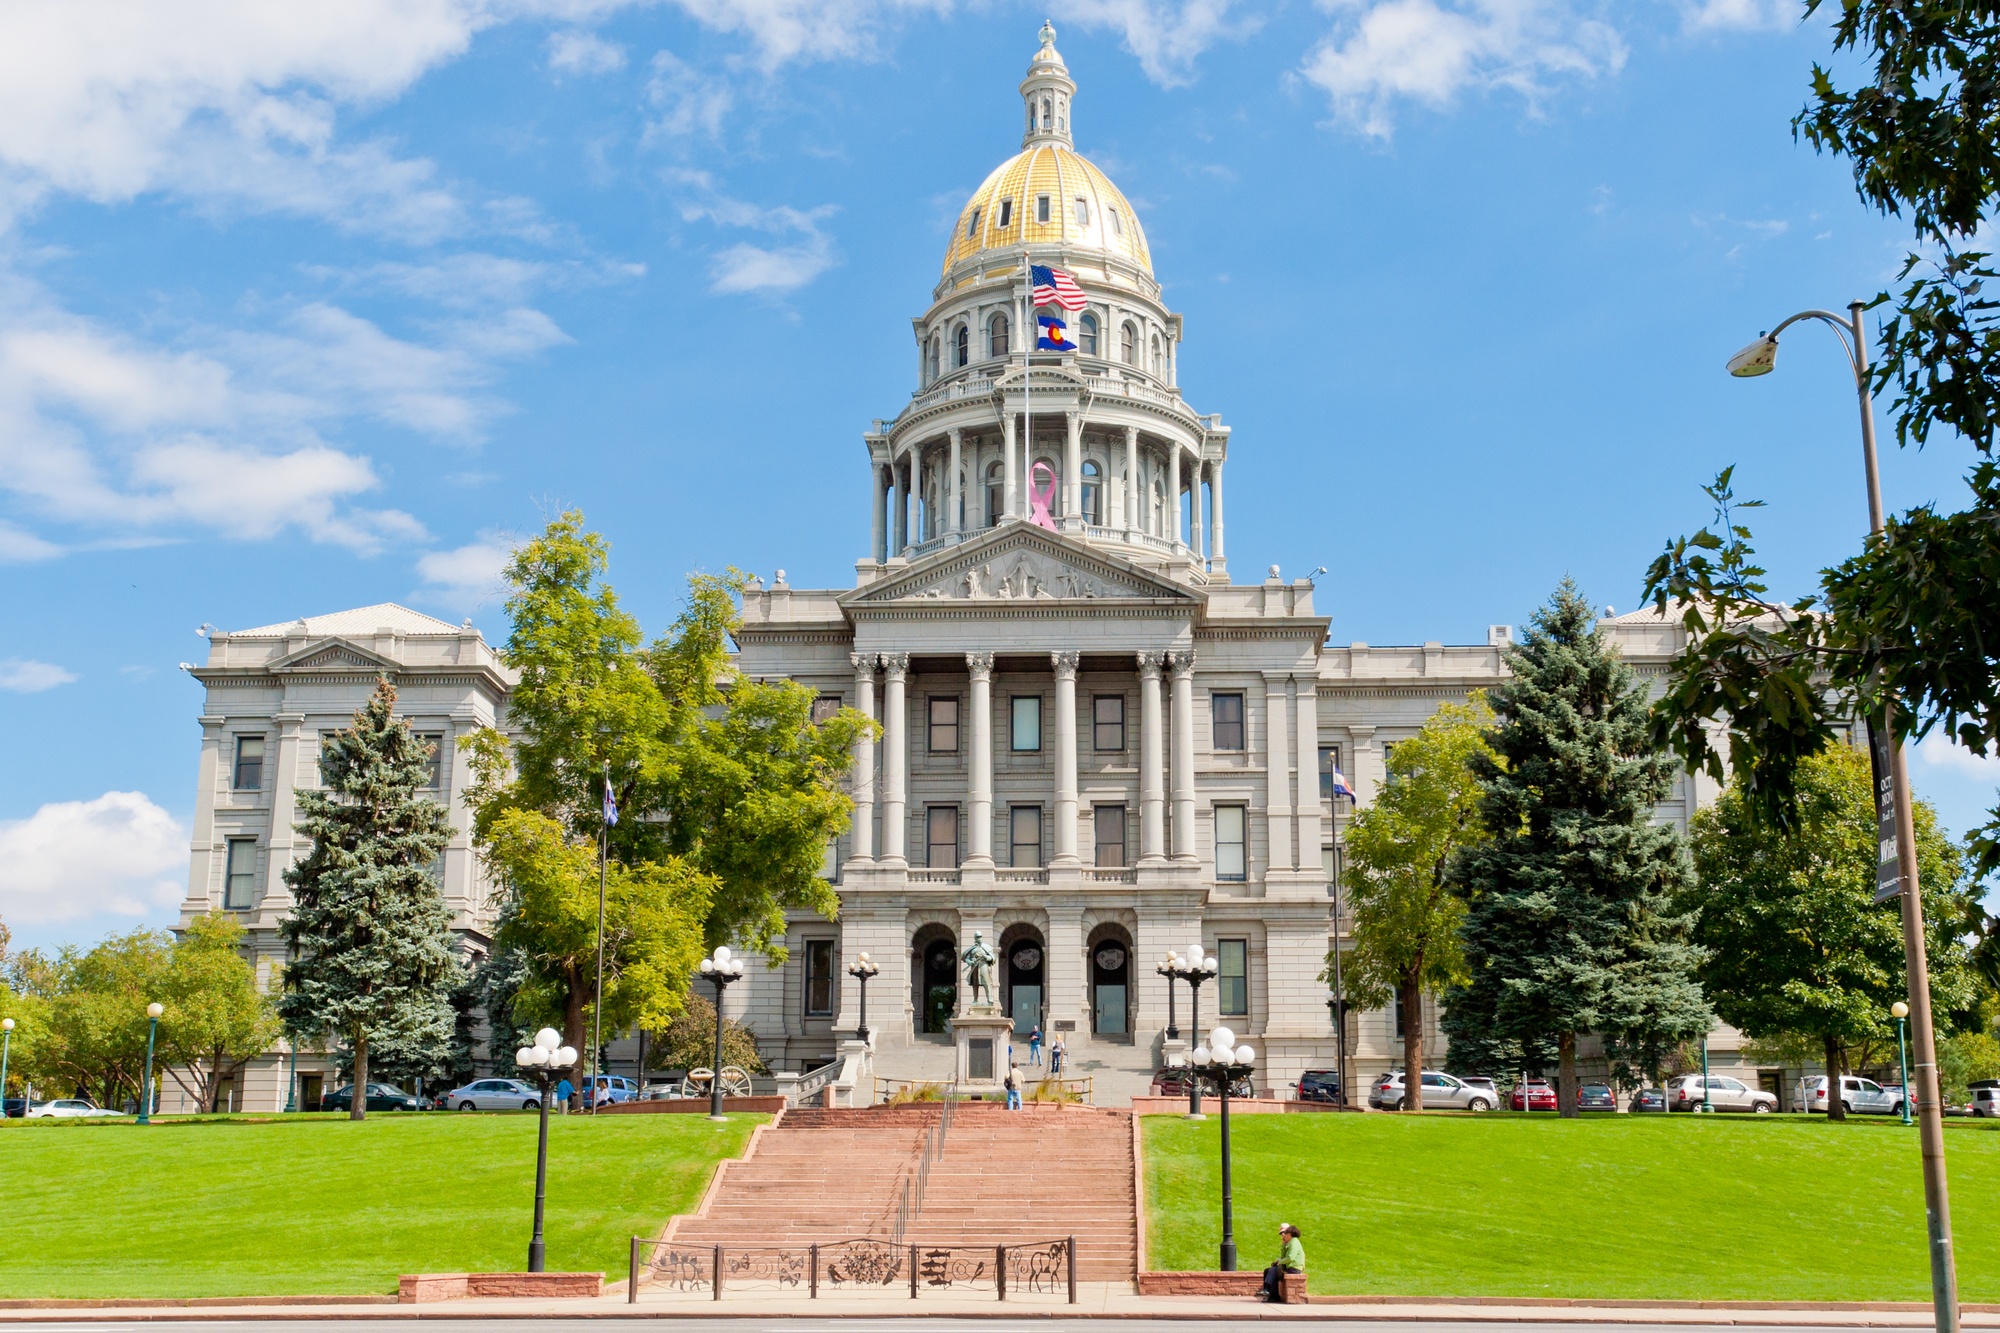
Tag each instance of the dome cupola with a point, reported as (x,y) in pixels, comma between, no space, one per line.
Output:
(1047,91)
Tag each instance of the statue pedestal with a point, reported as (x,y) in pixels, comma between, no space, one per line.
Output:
(983,1033)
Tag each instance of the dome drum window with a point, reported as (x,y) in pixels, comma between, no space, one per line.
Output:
(964,345)
(1006,213)
(1086,336)
(996,336)
(972,225)
(1041,208)
(1128,344)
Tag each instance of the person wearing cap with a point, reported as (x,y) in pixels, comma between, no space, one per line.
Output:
(1291,1259)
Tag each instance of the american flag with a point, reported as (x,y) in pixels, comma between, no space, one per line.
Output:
(1055,287)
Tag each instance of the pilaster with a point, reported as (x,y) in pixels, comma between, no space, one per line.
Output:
(1182,665)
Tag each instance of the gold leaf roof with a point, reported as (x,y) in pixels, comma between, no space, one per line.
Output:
(1064,176)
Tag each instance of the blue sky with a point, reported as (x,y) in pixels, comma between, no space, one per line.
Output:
(317,310)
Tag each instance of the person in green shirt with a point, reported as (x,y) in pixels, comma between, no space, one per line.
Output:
(1291,1259)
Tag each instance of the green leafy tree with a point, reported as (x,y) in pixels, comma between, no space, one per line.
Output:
(1568,927)
(1797,942)
(30,1015)
(1397,871)
(689,1041)
(93,1039)
(374,960)
(217,1019)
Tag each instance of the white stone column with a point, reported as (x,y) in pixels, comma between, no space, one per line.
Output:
(1194,509)
(1215,536)
(902,502)
(861,846)
(1065,842)
(1152,774)
(979,799)
(1173,533)
(955,488)
(1277,772)
(1009,483)
(895,757)
(1308,797)
(1134,516)
(1182,666)
(1072,498)
(878,510)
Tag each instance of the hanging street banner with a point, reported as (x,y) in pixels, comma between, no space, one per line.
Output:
(1888,865)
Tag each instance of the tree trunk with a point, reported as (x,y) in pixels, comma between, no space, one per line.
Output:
(357,1106)
(573,1033)
(1835,1110)
(1566,1075)
(1413,1042)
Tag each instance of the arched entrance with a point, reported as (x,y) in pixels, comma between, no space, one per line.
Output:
(934,978)
(1110,962)
(1023,968)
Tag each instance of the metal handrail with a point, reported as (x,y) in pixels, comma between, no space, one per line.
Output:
(918,1180)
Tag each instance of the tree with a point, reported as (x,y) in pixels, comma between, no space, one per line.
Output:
(1568,927)
(689,1041)
(216,1019)
(1797,942)
(374,960)
(93,1037)
(1397,871)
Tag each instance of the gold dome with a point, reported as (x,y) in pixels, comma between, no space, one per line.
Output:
(1011,194)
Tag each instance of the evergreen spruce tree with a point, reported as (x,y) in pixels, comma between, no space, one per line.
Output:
(1568,927)
(374,962)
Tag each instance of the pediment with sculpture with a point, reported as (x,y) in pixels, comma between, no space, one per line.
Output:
(1023,564)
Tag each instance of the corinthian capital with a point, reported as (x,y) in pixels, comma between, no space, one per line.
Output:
(1065,664)
(864,665)
(895,666)
(980,665)
(1149,666)
(1181,663)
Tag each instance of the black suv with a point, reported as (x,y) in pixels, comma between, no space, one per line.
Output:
(1320,1085)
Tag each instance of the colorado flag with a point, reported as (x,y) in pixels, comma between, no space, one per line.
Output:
(1055,335)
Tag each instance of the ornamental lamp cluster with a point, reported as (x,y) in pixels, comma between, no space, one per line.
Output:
(1222,1051)
(548,1052)
(863,966)
(722,967)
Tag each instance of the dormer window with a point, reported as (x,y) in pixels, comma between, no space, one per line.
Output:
(1041,208)
(972,225)
(1117,227)
(1082,211)
(1006,213)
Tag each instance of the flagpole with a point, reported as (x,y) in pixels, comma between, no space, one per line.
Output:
(1027,404)
(597,1009)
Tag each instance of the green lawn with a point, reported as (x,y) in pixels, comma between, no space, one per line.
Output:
(1664,1207)
(306,1204)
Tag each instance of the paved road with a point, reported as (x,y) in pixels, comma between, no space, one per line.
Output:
(859,1324)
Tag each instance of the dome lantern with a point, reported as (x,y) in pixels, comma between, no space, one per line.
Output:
(1047,92)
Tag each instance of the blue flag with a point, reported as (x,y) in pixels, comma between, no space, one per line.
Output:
(610,802)
(1055,335)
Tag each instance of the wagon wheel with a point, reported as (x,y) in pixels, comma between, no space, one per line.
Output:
(696,1082)
(735,1081)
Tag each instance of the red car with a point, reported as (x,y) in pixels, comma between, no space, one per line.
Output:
(1541,1097)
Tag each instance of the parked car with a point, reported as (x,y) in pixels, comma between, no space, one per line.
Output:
(13,1108)
(1483,1084)
(67,1108)
(1860,1096)
(1596,1097)
(1441,1092)
(1647,1099)
(491,1094)
(381,1097)
(1540,1096)
(1986,1098)
(621,1089)
(1724,1094)
(1320,1085)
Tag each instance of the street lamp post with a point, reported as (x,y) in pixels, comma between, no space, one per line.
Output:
(1196,968)
(1901,1013)
(1225,1062)
(1707,1106)
(546,1059)
(862,971)
(1760,358)
(153,1012)
(720,970)
(1170,967)
(6,1047)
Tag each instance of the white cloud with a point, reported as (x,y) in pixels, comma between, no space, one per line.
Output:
(26,676)
(23,548)
(1940,751)
(787,30)
(584,53)
(1740,15)
(1165,36)
(684,100)
(119,854)
(466,577)
(751,268)
(1385,52)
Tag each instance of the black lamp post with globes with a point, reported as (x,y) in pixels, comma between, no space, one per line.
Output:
(721,969)
(1224,1061)
(545,1061)
(862,971)
(1195,969)
(1170,968)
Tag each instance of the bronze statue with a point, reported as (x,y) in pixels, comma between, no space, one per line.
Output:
(978,959)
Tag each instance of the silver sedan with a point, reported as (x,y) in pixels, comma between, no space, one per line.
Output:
(494,1094)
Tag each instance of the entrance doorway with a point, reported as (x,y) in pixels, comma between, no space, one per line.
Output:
(934,969)
(1025,960)
(1110,981)
(310,1089)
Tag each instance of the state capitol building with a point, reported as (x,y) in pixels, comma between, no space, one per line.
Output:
(1097,743)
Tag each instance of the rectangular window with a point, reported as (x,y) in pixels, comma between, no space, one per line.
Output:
(434,741)
(1041,208)
(972,225)
(824,709)
(1108,723)
(239,874)
(1006,212)
(1117,226)
(249,774)
(1082,211)
(944,725)
(941,837)
(1329,764)
(1231,859)
(1024,836)
(1225,711)
(819,978)
(1109,821)
(1232,978)
(1027,728)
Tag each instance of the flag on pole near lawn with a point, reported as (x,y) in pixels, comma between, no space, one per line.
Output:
(610,801)
(1055,287)
(1055,336)
(1341,788)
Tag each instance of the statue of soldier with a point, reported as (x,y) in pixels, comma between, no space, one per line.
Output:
(978,961)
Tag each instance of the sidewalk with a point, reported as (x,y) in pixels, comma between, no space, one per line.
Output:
(1100,1300)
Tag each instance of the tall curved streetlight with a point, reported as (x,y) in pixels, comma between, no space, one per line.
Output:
(721,969)
(1901,1013)
(1224,1061)
(863,971)
(6,1047)
(153,1012)
(546,1059)
(1170,968)
(1195,969)
(1896,831)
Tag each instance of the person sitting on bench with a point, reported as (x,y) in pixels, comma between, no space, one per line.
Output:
(1291,1259)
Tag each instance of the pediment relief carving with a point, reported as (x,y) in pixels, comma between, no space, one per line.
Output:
(334,657)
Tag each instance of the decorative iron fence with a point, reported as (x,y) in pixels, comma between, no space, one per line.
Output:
(1045,1268)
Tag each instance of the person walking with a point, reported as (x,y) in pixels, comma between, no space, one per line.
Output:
(1035,1045)
(1057,1054)
(1291,1259)
(564,1091)
(1013,1088)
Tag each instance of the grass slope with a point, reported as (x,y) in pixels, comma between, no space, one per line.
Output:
(307,1204)
(1681,1207)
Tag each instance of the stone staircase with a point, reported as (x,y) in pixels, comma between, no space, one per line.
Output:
(1119,1071)
(1006,1177)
